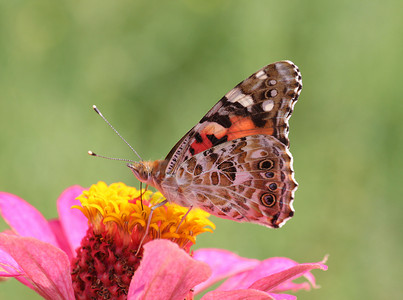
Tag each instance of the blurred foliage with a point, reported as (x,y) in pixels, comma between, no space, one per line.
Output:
(155,67)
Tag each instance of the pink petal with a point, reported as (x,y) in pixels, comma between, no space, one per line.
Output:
(45,266)
(8,266)
(223,263)
(292,286)
(25,219)
(237,295)
(265,268)
(283,297)
(271,282)
(166,272)
(74,223)
(61,238)
(277,264)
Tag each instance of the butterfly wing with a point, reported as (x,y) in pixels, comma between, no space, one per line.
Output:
(261,104)
(249,179)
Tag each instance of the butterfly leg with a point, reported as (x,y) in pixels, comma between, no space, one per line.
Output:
(142,193)
(183,218)
(149,221)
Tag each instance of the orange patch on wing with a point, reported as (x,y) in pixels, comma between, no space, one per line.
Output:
(212,128)
(200,147)
(243,126)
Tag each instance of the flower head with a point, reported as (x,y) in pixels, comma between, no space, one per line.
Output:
(121,221)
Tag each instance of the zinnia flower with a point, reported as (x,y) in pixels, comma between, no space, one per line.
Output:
(105,251)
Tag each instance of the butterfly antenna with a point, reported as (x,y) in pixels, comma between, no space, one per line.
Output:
(107,157)
(110,125)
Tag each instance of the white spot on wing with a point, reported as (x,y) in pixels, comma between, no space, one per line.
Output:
(268,105)
(246,101)
(236,95)
(261,75)
(273,93)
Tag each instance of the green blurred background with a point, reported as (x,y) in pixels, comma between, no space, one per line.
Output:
(155,67)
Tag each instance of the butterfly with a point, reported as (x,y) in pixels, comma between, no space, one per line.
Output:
(235,163)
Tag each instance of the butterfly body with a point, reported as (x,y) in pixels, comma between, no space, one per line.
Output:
(235,163)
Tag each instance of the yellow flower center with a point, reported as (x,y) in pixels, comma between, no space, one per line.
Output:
(123,208)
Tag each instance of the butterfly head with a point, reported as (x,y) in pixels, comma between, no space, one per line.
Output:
(150,172)
(142,170)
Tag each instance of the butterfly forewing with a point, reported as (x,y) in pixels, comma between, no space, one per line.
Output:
(261,104)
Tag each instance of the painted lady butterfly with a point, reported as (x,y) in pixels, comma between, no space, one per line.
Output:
(235,163)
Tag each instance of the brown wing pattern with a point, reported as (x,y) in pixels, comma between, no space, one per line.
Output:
(249,179)
(261,104)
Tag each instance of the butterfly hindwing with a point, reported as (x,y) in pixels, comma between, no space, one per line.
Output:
(249,179)
(261,104)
